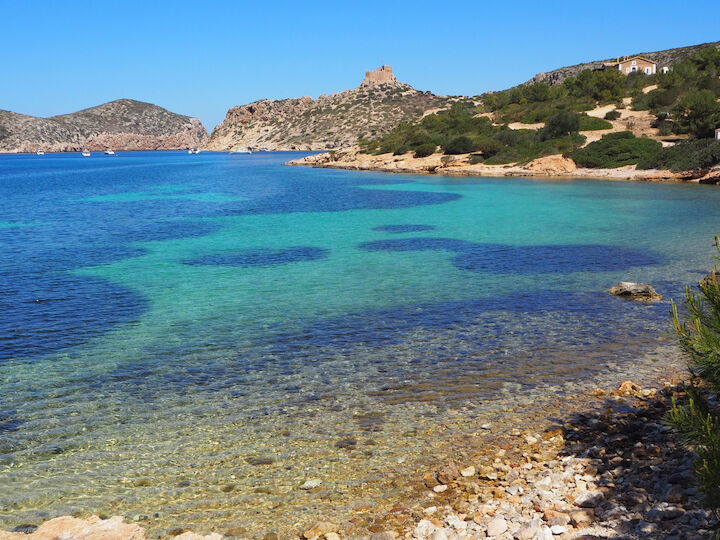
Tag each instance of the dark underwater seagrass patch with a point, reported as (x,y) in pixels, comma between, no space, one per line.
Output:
(507,259)
(260,257)
(405,228)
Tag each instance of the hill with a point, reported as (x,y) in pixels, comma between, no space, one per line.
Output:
(667,57)
(337,120)
(124,124)
(598,118)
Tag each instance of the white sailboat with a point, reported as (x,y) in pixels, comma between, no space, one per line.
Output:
(109,152)
(40,152)
(193,150)
(86,153)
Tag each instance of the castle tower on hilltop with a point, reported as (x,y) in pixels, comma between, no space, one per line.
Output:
(383,74)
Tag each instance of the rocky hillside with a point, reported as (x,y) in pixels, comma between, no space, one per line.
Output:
(664,58)
(124,124)
(330,121)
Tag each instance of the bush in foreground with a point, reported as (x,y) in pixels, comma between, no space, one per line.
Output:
(616,150)
(612,115)
(698,421)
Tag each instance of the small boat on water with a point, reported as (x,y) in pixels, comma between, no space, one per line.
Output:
(193,150)
(109,152)
(86,153)
(40,152)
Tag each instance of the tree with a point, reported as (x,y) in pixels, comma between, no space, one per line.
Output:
(698,113)
(698,421)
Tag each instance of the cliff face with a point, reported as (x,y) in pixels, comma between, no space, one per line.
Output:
(124,124)
(328,122)
(665,58)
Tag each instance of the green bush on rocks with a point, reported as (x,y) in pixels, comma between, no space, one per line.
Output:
(425,150)
(696,155)
(459,145)
(616,150)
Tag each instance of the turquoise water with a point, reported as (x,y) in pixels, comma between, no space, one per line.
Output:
(195,336)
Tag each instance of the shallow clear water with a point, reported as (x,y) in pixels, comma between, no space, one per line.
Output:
(197,335)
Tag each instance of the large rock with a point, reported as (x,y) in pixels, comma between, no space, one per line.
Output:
(93,528)
(635,291)
(70,528)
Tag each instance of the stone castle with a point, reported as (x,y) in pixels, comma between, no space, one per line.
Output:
(383,74)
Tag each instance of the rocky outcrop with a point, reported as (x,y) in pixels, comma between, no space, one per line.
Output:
(93,528)
(464,165)
(124,124)
(552,165)
(328,122)
(635,291)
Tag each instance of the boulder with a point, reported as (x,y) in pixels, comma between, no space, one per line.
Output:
(635,291)
(321,528)
(448,473)
(92,528)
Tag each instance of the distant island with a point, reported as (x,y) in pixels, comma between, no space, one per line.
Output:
(124,124)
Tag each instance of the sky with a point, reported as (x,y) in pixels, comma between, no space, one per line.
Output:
(201,58)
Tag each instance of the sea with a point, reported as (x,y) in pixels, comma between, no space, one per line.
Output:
(186,340)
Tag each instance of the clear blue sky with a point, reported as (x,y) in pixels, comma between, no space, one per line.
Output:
(200,58)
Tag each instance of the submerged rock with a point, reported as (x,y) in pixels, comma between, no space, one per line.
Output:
(92,528)
(635,291)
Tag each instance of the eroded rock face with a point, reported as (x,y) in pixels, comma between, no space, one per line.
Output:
(552,165)
(124,124)
(635,291)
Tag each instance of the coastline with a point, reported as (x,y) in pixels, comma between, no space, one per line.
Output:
(554,166)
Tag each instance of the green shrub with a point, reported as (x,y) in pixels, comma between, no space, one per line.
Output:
(605,86)
(616,150)
(488,147)
(560,124)
(474,159)
(697,155)
(591,123)
(528,146)
(697,421)
(612,115)
(640,102)
(400,150)
(665,129)
(425,150)
(459,145)
(698,113)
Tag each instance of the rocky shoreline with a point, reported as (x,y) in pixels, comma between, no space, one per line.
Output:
(555,166)
(611,470)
